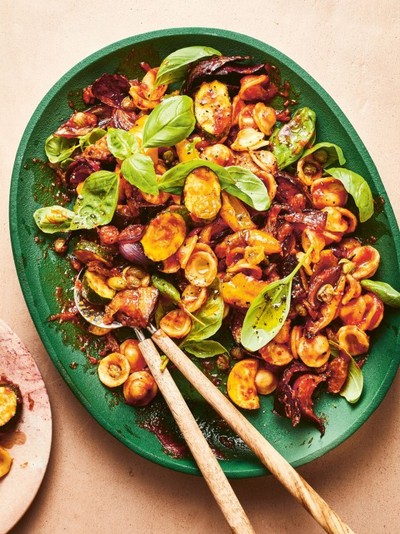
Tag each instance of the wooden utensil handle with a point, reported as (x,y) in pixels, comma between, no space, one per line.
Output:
(268,455)
(203,455)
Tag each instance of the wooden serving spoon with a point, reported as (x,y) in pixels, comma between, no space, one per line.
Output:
(266,453)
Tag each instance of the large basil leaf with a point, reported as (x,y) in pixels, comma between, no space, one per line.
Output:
(358,188)
(384,291)
(288,141)
(96,204)
(174,67)
(354,384)
(247,187)
(121,144)
(209,319)
(54,219)
(326,154)
(59,149)
(205,349)
(268,311)
(173,180)
(169,123)
(139,171)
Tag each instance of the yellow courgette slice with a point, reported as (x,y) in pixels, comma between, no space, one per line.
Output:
(202,194)
(163,236)
(10,403)
(213,109)
(95,289)
(86,251)
(5,462)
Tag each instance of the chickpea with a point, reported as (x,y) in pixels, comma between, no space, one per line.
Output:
(130,349)
(266,382)
(140,388)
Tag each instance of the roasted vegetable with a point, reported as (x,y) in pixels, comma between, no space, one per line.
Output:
(241,385)
(10,404)
(241,290)
(95,288)
(213,110)
(202,194)
(133,307)
(5,462)
(164,235)
(86,251)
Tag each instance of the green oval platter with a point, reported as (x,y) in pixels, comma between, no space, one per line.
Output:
(40,270)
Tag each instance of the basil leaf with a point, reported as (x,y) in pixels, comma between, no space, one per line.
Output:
(205,349)
(97,202)
(358,188)
(173,180)
(209,319)
(121,144)
(91,137)
(166,288)
(326,154)
(58,149)
(139,171)
(247,187)
(174,67)
(384,291)
(268,311)
(354,384)
(288,141)
(53,219)
(169,122)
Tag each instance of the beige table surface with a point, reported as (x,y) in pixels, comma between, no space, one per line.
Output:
(93,483)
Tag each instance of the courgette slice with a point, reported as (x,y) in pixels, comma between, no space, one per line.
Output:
(10,404)
(86,251)
(164,235)
(213,109)
(202,194)
(95,288)
(5,462)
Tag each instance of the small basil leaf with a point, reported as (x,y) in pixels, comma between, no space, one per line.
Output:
(384,291)
(266,315)
(59,149)
(269,310)
(91,137)
(174,67)
(170,122)
(354,384)
(209,319)
(205,349)
(326,154)
(139,171)
(121,144)
(173,180)
(248,187)
(96,204)
(53,219)
(358,188)
(288,142)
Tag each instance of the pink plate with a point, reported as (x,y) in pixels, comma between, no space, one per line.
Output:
(29,442)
